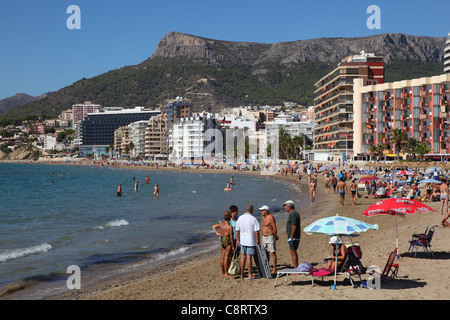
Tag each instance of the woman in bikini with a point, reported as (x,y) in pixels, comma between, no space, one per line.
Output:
(444,201)
(226,241)
(353,187)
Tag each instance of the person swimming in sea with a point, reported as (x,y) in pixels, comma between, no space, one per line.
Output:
(119,190)
(156,191)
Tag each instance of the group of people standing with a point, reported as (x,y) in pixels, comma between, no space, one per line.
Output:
(243,234)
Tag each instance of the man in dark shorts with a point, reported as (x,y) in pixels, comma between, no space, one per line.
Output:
(292,230)
(119,190)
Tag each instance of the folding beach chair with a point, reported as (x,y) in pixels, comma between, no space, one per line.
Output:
(390,270)
(422,240)
(350,267)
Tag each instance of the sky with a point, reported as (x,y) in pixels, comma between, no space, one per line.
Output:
(39,53)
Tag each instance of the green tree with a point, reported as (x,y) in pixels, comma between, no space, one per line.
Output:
(377,150)
(411,145)
(398,138)
(422,149)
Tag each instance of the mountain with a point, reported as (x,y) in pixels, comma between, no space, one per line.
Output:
(15,101)
(214,73)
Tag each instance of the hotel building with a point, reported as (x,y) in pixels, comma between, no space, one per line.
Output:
(419,107)
(97,129)
(333,104)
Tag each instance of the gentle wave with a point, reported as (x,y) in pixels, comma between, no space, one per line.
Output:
(172,253)
(113,223)
(10,254)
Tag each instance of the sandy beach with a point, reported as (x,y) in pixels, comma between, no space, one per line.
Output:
(199,277)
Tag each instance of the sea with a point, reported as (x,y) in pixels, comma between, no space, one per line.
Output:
(56,216)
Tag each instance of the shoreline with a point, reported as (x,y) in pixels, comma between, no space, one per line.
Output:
(198,277)
(168,268)
(148,264)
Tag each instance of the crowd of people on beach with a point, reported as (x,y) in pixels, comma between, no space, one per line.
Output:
(430,185)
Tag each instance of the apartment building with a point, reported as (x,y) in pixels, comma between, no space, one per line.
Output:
(156,136)
(333,104)
(80,111)
(122,139)
(419,107)
(188,137)
(137,136)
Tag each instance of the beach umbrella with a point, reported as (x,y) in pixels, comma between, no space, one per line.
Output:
(338,226)
(405,173)
(368,178)
(322,168)
(429,181)
(431,169)
(397,207)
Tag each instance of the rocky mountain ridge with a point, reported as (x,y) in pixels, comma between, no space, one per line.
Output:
(215,73)
(328,50)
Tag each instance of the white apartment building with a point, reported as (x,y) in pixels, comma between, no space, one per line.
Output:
(137,136)
(294,128)
(187,137)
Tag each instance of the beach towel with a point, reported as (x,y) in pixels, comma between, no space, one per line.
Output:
(304,267)
(321,272)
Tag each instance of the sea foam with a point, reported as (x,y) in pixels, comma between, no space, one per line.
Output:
(10,254)
(113,223)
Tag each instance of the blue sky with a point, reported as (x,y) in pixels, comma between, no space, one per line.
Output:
(38,53)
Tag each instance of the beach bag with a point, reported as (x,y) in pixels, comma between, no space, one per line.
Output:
(304,267)
(235,266)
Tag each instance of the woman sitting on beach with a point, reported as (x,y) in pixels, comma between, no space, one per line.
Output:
(339,250)
(227,242)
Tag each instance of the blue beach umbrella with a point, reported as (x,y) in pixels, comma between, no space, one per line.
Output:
(429,181)
(431,169)
(338,225)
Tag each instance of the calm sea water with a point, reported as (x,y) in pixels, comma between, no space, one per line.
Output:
(73,216)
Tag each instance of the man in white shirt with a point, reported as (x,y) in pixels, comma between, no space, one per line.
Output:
(247,237)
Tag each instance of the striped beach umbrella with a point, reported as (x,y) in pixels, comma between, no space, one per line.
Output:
(338,225)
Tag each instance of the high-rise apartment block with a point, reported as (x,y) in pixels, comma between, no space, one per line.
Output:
(333,104)
(80,111)
(447,55)
(419,107)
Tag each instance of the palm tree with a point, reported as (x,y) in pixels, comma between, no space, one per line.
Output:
(377,150)
(422,149)
(285,143)
(398,139)
(411,146)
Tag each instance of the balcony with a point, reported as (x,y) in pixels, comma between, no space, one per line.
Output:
(404,95)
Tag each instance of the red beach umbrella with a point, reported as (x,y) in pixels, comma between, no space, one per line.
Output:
(368,178)
(397,207)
